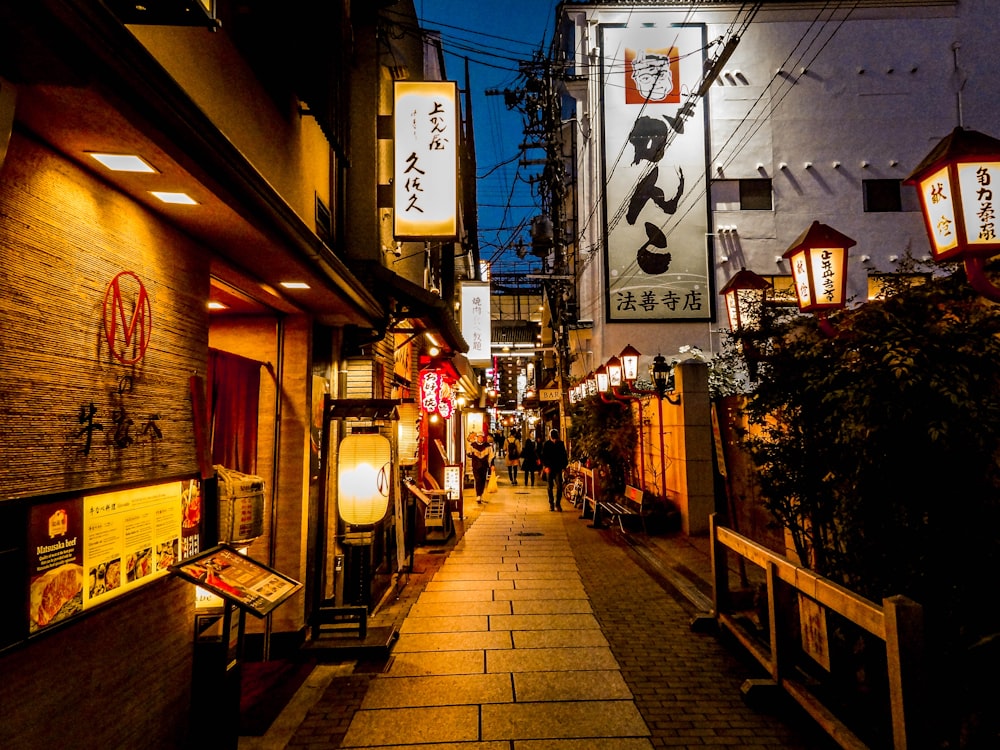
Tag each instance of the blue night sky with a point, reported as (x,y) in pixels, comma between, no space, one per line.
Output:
(494,36)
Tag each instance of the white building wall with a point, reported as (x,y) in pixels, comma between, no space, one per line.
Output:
(817,97)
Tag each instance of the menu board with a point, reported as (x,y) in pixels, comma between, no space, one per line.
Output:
(55,541)
(87,550)
(129,537)
(228,573)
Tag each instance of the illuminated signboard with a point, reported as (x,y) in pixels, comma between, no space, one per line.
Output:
(436,394)
(476,323)
(425,184)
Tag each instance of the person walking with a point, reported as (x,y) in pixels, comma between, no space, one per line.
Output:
(481,454)
(512,455)
(529,461)
(554,461)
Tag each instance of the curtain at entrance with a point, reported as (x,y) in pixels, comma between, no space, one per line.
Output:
(233,403)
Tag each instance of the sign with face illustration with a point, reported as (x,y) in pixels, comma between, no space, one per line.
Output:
(655,206)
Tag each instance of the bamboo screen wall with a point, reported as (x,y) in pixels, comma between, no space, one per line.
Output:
(72,416)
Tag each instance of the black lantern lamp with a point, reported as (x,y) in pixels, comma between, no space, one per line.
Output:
(661,374)
(955,184)
(818,258)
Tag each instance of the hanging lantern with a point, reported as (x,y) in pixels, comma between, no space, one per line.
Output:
(364,466)
(630,363)
(819,268)
(955,184)
(744,296)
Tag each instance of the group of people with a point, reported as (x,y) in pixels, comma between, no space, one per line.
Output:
(551,458)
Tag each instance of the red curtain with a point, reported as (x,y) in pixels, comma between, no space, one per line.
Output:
(233,404)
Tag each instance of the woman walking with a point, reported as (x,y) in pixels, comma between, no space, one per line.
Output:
(512,454)
(481,454)
(529,461)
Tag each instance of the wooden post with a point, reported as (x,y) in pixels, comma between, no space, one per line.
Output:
(904,645)
(720,568)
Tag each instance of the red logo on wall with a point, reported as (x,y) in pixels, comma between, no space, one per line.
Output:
(128,318)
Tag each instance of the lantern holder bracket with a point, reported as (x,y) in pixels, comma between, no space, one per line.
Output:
(975,271)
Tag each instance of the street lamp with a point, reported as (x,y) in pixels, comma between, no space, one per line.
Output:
(661,375)
(955,183)
(630,363)
(614,366)
(818,258)
(744,297)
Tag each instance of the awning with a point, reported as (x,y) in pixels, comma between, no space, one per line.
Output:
(364,408)
(414,303)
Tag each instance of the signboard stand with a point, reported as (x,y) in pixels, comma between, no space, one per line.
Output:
(244,585)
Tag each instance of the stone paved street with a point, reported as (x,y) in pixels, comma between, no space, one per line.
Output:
(538,631)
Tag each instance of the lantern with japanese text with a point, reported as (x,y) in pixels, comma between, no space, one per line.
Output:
(630,363)
(955,184)
(364,466)
(819,268)
(744,296)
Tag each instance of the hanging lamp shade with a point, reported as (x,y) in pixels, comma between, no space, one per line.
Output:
(363,478)
(819,268)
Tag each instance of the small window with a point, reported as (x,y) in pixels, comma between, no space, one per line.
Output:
(882,196)
(741,195)
(781,292)
(755,195)
(883,285)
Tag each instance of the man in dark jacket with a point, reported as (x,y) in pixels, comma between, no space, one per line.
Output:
(554,460)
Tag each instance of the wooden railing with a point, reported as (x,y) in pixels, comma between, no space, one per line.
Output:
(796,626)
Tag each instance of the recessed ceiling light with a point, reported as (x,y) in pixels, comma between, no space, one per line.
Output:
(180,199)
(294,285)
(123,162)
(217,306)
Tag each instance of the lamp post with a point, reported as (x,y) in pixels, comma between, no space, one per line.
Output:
(744,298)
(955,183)
(818,258)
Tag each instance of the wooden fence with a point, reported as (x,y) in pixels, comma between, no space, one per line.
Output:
(796,629)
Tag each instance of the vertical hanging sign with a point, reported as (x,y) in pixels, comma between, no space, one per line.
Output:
(425,171)
(656,256)
(476,317)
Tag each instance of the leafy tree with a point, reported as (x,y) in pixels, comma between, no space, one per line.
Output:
(603,434)
(878,450)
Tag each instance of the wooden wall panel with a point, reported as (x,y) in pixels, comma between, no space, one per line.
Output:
(63,238)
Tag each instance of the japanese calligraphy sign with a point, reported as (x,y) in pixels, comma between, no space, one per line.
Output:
(655,223)
(476,328)
(976,184)
(425,174)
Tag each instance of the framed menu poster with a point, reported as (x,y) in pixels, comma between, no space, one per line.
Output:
(247,583)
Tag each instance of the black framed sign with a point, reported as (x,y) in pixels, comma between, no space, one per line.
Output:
(247,583)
